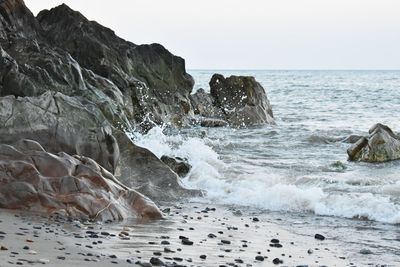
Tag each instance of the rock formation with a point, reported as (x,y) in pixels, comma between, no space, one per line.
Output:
(381,145)
(179,165)
(239,100)
(153,80)
(47,96)
(75,186)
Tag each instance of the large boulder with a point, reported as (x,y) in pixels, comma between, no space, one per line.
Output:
(75,186)
(139,168)
(381,145)
(239,101)
(242,99)
(154,80)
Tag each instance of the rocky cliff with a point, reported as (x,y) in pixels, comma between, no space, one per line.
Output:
(75,87)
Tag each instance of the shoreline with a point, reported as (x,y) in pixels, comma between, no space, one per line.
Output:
(226,238)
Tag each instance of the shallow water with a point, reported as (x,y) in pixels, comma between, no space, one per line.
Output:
(300,166)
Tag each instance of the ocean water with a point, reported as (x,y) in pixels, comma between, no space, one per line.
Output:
(299,168)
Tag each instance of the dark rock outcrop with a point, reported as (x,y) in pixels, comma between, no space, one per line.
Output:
(179,165)
(154,80)
(381,145)
(75,186)
(239,101)
(242,99)
(139,168)
(204,104)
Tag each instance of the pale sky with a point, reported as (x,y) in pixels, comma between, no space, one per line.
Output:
(256,34)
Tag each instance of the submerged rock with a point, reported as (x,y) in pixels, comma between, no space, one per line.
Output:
(178,165)
(381,145)
(76,186)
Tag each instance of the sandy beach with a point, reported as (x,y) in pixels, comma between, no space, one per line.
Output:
(190,235)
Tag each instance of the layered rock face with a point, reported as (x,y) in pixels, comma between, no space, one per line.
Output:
(381,145)
(75,186)
(239,100)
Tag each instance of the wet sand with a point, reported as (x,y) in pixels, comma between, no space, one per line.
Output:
(191,235)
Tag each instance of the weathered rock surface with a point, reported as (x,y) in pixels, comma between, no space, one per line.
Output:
(76,186)
(139,168)
(239,100)
(59,123)
(381,145)
(153,80)
(204,104)
(179,165)
(76,126)
(242,99)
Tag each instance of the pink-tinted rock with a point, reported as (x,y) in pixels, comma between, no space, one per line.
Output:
(33,179)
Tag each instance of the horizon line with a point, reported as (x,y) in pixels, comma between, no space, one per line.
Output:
(269,69)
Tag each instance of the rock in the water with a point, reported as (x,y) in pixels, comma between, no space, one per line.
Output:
(210,122)
(352,139)
(204,105)
(242,100)
(75,186)
(178,165)
(139,168)
(381,145)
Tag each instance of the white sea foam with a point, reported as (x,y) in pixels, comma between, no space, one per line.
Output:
(267,190)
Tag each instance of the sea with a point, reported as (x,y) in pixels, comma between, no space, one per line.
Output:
(297,171)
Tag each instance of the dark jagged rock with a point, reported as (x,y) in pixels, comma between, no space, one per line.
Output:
(242,100)
(381,145)
(16,18)
(29,66)
(141,169)
(154,80)
(76,186)
(178,165)
(239,101)
(204,104)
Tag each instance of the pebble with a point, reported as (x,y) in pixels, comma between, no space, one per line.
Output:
(365,251)
(260,258)
(277,261)
(319,237)
(156,261)
(187,242)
